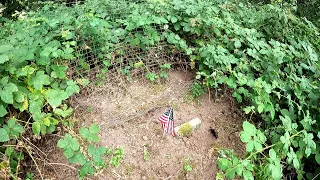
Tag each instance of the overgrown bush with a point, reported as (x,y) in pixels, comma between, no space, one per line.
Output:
(265,54)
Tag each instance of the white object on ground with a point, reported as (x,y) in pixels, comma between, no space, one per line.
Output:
(194,123)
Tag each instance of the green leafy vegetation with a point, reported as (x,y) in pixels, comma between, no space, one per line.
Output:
(85,152)
(265,55)
(187,167)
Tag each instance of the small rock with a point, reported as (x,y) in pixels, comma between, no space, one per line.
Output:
(134,151)
(144,178)
(145,138)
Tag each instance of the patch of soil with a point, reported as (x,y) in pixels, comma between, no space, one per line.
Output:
(129,119)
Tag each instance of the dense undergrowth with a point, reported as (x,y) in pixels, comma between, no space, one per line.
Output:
(265,54)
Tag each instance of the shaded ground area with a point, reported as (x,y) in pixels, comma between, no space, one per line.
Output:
(128,118)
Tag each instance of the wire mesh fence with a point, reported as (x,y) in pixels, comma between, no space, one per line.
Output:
(97,61)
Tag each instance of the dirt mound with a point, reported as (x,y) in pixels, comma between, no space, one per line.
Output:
(128,119)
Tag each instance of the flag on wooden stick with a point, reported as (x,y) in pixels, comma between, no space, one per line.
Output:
(167,122)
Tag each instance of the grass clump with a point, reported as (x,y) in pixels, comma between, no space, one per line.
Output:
(185,130)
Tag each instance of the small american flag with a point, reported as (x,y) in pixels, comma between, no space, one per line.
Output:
(167,122)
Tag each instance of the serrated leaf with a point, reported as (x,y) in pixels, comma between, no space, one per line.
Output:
(3,135)
(94,129)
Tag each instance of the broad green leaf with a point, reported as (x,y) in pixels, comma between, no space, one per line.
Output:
(94,129)
(18,96)
(174,19)
(261,137)
(296,163)
(59,71)
(68,152)
(36,128)
(224,164)
(63,113)
(245,137)
(317,157)
(87,169)
(237,44)
(78,158)
(275,171)
(250,146)
(3,111)
(11,122)
(247,175)
(84,132)
(272,154)
(55,97)
(257,145)
(35,106)
(249,128)
(39,80)
(74,144)
(46,121)
(3,135)
(62,143)
(93,138)
(72,88)
(7,91)
(260,108)
(3,58)
(231,173)
(5,48)
(4,80)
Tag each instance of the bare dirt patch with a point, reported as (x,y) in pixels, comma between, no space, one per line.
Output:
(128,118)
